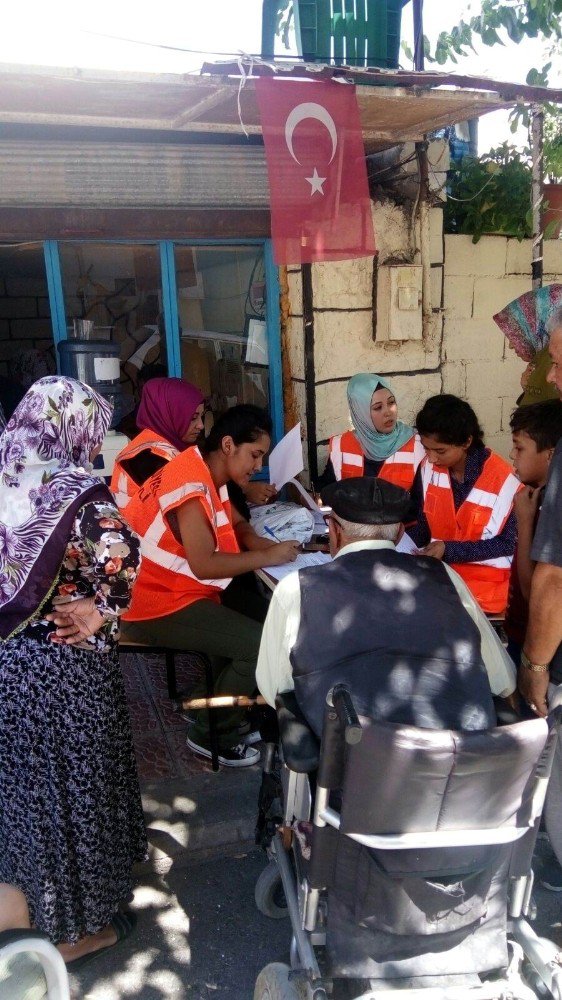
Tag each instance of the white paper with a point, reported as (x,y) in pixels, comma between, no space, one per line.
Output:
(303,560)
(407,545)
(256,351)
(286,461)
(137,359)
(107,369)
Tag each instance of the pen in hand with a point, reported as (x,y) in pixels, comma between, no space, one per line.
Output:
(270,533)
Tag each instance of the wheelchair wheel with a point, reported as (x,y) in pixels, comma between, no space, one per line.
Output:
(273,983)
(269,895)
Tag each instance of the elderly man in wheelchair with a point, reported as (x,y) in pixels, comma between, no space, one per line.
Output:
(414,875)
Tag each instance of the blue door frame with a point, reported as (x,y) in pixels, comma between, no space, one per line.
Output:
(170,307)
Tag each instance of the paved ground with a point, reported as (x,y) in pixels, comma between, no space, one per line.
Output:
(199,934)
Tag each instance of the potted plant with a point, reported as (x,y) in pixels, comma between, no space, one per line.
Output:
(490,194)
(552,214)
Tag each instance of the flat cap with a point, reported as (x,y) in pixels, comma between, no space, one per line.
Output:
(366,500)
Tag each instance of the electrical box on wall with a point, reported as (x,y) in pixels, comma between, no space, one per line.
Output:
(405,314)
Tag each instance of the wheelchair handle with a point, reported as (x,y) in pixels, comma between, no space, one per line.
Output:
(343,705)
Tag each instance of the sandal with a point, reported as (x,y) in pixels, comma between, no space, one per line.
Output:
(123,924)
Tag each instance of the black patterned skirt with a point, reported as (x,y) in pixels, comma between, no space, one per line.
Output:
(71,822)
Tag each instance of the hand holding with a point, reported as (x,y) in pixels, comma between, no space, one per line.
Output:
(282,552)
(435,549)
(260,493)
(75,621)
(525,504)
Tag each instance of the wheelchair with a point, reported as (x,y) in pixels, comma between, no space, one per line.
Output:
(31,968)
(414,878)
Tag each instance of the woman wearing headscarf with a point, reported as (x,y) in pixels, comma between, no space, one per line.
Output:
(170,419)
(71,823)
(379,444)
(524,322)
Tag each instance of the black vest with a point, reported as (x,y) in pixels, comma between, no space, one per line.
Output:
(392,627)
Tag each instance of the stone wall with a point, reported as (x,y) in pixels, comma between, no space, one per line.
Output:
(462,351)
(25,319)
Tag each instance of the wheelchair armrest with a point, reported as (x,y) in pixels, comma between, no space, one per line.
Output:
(301,748)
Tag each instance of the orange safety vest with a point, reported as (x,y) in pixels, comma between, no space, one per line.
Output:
(348,460)
(481,516)
(166,581)
(122,485)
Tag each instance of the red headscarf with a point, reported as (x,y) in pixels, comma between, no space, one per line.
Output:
(167,407)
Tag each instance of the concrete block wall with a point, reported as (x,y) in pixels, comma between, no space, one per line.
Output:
(25,318)
(463,351)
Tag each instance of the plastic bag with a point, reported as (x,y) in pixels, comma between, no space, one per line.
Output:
(283,521)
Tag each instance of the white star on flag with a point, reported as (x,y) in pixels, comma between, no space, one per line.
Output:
(315,182)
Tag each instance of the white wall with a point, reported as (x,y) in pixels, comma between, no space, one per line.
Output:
(463,351)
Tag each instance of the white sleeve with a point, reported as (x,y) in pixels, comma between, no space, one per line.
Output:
(502,672)
(274,672)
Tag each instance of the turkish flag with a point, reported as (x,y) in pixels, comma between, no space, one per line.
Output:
(320,205)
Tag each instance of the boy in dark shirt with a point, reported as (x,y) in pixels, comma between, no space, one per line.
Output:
(536,430)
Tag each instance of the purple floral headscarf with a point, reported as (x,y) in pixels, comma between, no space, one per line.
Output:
(45,473)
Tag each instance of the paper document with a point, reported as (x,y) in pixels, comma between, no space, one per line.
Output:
(303,559)
(286,461)
(407,545)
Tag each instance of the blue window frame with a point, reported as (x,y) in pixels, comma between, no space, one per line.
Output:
(170,306)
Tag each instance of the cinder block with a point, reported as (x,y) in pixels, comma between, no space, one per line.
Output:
(458,296)
(412,392)
(332,411)
(492,294)
(552,257)
(392,232)
(43,307)
(19,308)
(344,345)
(472,340)
(436,235)
(294,281)
(30,329)
(12,348)
(344,284)
(518,259)
(487,257)
(294,340)
(4,328)
(454,378)
(436,286)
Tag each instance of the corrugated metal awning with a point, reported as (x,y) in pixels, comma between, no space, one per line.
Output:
(136,175)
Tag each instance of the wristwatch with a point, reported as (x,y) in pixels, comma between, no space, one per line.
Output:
(535,668)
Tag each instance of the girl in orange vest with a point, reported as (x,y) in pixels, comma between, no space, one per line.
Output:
(191,542)
(169,418)
(380,444)
(464,493)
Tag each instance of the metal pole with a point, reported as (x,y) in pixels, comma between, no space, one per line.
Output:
(418,35)
(537,120)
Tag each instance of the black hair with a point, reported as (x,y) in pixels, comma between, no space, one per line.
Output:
(149,372)
(243,423)
(541,421)
(450,419)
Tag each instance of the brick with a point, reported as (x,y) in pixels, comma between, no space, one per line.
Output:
(487,257)
(4,328)
(492,294)
(43,307)
(11,348)
(18,308)
(458,296)
(519,255)
(31,328)
(552,257)
(500,443)
(332,411)
(472,339)
(344,345)
(344,284)
(26,286)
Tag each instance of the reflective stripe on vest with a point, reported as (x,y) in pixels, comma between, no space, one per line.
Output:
(166,581)
(348,462)
(481,516)
(122,485)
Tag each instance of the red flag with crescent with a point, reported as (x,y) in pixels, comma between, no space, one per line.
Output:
(320,204)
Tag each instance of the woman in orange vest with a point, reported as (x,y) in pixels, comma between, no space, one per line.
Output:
(191,542)
(169,418)
(379,444)
(464,494)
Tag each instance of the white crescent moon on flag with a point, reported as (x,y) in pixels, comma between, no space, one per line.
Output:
(310,110)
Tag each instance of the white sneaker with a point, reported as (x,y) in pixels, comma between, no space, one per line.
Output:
(240,755)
